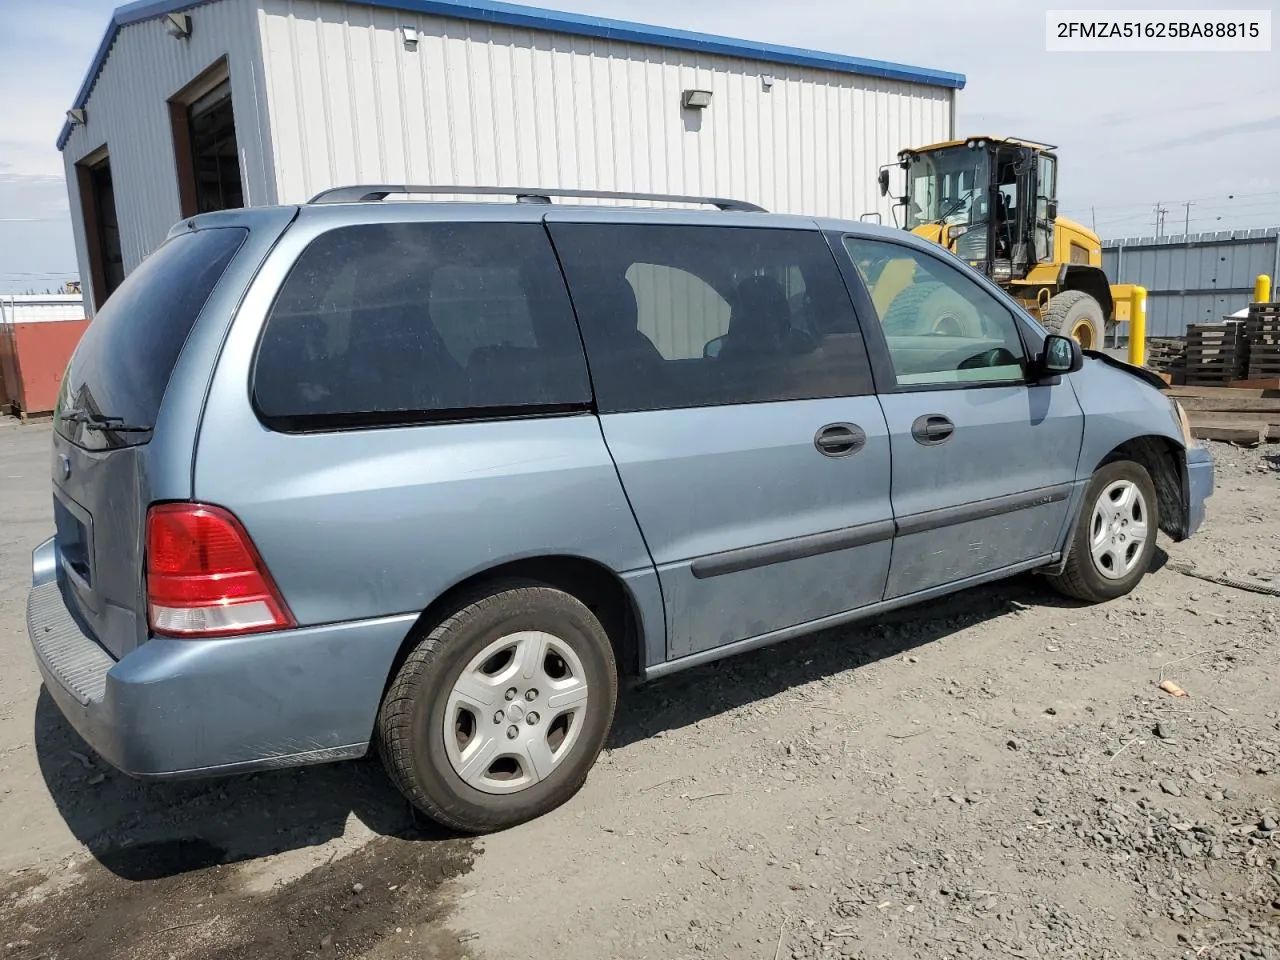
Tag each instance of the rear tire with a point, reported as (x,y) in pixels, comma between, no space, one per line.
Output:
(1115,535)
(1075,314)
(468,752)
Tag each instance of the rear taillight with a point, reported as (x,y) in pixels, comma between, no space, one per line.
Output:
(204,576)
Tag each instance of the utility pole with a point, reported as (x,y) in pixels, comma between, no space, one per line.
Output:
(1186,225)
(1160,214)
(1093,219)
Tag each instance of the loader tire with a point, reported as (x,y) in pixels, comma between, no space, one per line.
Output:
(931,307)
(1075,314)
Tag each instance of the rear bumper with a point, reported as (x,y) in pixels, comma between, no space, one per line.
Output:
(1199,486)
(188,708)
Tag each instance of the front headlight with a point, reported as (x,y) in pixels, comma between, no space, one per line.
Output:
(1184,424)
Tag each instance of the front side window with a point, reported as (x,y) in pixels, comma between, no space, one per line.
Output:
(412,322)
(940,326)
(695,316)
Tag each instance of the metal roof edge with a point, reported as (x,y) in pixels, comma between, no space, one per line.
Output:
(130,13)
(537,18)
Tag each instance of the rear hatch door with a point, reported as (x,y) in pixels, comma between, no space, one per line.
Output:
(105,423)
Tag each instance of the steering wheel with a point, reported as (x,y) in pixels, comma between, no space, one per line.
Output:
(995,357)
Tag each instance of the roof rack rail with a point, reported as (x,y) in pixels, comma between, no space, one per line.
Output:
(370,193)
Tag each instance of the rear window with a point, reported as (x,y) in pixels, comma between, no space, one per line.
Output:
(123,363)
(384,324)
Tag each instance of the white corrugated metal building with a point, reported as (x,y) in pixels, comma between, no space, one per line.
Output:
(40,308)
(195,106)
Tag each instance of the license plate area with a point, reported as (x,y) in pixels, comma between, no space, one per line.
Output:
(75,539)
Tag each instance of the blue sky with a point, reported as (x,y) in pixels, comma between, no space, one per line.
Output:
(1133,129)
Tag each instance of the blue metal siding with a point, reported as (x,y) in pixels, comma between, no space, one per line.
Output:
(534,18)
(1198,278)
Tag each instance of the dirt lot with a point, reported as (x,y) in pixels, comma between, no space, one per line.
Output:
(996,775)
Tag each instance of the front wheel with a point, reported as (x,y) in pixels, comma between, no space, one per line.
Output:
(1115,535)
(500,711)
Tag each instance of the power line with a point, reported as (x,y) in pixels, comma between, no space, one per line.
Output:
(1266,211)
(1215,197)
(1218,205)
(1258,210)
(1193,227)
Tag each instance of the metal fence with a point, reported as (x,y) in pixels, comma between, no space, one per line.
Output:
(1197,278)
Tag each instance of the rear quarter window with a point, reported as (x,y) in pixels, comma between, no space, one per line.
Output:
(383,324)
(122,365)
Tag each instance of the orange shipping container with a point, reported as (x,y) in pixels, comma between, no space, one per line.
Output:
(38,334)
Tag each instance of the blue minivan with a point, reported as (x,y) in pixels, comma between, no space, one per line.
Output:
(428,477)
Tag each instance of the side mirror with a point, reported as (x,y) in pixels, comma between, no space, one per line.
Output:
(1061,355)
(711,349)
(884,181)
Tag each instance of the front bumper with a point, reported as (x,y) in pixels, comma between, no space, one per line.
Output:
(1199,486)
(186,708)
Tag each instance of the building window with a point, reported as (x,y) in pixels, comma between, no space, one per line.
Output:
(206,155)
(214,151)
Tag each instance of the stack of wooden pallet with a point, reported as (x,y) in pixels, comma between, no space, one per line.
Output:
(1168,355)
(1262,330)
(1217,353)
(1233,414)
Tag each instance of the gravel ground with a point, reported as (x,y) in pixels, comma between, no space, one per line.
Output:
(996,774)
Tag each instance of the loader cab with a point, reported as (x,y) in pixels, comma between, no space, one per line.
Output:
(990,201)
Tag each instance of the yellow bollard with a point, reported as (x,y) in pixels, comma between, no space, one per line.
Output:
(1138,328)
(1262,289)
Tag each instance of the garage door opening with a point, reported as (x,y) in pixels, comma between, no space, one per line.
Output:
(101,226)
(206,154)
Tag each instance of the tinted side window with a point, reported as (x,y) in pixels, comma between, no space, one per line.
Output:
(941,327)
(123,363)
(391,323)
(691,316)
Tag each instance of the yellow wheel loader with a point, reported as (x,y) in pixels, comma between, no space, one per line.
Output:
(993,202)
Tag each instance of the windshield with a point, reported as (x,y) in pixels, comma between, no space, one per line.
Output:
(947,186)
